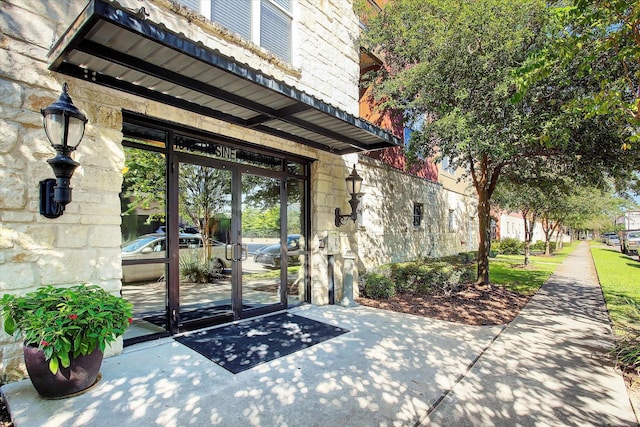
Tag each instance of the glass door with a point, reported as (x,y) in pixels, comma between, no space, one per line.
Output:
(212,231)
(205,212)
(264,244)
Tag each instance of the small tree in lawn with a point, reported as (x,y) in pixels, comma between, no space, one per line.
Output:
(523,198)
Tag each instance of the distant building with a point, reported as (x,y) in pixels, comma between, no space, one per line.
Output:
(629,221)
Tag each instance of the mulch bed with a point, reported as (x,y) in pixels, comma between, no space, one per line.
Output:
(475,305)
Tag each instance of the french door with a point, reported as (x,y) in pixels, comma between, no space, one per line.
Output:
(230,203)
(224,241)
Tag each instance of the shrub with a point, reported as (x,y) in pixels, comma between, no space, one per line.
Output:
(627,345)
(376,286)
(442,275)
(510,246)
(540,246)
(194,268)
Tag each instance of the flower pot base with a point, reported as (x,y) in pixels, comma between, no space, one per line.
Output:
(77,393)
(66,382)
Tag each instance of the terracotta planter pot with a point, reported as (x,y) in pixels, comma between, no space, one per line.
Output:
(80,375)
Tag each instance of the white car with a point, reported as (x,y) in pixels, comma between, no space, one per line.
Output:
(150,246)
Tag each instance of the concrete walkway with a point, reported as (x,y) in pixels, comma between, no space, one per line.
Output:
(550,366)
(547,368)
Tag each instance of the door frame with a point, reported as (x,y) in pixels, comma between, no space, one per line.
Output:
(174,158)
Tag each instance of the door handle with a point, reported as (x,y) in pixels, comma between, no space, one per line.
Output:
(230,252)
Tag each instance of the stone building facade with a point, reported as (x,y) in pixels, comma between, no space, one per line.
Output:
(45,44)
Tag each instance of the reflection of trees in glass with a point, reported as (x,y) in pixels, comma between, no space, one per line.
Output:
(143,185)
(295,206)
(261,223)
(204,193)
(260,206)
(260,192)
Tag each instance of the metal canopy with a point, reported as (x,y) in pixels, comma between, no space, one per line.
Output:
(120,49)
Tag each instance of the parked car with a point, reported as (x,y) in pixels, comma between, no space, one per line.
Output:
(184,229)
(154,246)
(269,256)
(630,242)
(605,236)
(612,240)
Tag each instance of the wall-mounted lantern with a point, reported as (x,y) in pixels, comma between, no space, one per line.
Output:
(354,183)
(64,126)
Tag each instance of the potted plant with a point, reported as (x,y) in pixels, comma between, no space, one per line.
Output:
(65,332)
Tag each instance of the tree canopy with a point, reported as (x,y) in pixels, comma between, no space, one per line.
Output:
(599,39)
(455,63)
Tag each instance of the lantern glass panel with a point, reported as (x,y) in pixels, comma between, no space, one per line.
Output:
(357,185)
(76,131)
(53,127)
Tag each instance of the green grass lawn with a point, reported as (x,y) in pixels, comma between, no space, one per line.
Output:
(619,277)
(509,271)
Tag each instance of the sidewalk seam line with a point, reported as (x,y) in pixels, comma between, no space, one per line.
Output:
(460,378)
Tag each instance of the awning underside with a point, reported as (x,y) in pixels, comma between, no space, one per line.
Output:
(116,48)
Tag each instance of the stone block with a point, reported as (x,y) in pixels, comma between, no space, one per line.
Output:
(13,191)
(19,67)
(105,236)
(8,237)
(35,237)
(108,268)
(40,31)
(12,161)
(10,94)
(72,237)
(66,266)
(15,276)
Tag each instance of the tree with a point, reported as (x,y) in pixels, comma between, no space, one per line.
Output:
(454,63)
(526,198)
(601,39)
(203,194)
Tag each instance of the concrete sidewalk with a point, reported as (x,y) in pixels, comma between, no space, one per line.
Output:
(550,366)
(547,368)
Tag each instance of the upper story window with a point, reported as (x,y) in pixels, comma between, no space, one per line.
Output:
(410,127)
(447,166)
(266,23)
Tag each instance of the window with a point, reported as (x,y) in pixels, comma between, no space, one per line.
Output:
(412,126)
(266,23)
(417,214)
(447,166)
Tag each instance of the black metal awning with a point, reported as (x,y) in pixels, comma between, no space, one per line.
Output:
(120,49)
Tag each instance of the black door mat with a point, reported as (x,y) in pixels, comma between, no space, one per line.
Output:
(247,344)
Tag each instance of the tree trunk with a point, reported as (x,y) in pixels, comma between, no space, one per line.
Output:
(528,235)
(484,245)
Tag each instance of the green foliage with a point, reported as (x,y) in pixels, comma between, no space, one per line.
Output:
(510,246)
(618,279)
(66,322)
(376,286)
(144,182)
(540,246)
(261,223)
(595,39)
(195,268)
(440,276)
(627,345)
